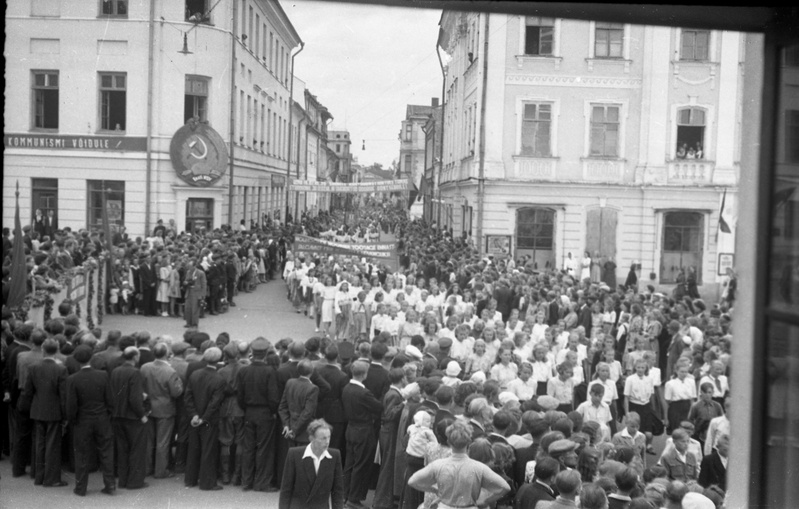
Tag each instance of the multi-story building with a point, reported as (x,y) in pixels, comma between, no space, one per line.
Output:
(428,187)
(180,109)
(339,149)
(412,139)
(564,136)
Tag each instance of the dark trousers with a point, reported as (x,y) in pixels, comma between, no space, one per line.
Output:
(384,493)
(337,440)
(159,441)
(148,300)
(231,291)
(282,451)
(182,421)
(48,452)
(203,457)
(23,442)
(361,445)
(258,452)
(88,437)
(411,498)
(130,442)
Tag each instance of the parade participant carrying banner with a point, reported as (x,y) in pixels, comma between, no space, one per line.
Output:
(342,187)
(377,252)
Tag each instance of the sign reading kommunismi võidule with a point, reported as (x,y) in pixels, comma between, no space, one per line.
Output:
(314,186)
(377,252)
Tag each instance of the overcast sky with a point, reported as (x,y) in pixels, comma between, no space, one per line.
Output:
(365,64)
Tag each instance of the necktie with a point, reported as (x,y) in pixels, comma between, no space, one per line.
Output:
(718,384)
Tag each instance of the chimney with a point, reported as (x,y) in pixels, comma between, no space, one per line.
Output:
(435,102)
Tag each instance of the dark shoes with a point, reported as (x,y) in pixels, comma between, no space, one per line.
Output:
(247,488)
(143,485)
(59,484)
(108,490)
(166,475)
(216,487)
(271,489)
(79,493)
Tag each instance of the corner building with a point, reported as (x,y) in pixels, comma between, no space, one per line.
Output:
(564,136)
(97,94)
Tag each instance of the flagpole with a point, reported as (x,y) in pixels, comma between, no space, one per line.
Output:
(18,287)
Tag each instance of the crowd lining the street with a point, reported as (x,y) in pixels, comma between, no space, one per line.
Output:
(471,381)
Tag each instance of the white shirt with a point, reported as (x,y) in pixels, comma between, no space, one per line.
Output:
(317,460)
(677,389)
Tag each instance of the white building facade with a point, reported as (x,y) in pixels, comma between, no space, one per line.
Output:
(97,93)
(565,136)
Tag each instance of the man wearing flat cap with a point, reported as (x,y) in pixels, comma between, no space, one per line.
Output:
(204,394)
(88,400)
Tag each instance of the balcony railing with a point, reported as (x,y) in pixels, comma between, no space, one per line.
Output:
(534,168)
(603,170)
(690,171)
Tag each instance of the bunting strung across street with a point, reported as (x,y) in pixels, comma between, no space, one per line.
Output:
(386,186)
(376,252)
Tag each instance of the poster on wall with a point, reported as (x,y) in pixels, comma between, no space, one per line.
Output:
(726,261)
(499,246)
(114,211)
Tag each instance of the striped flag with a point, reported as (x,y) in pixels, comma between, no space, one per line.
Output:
(723,226)
(18,284)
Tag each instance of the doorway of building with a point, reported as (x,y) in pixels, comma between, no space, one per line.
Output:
(601,225)
(199,214)
(683,239)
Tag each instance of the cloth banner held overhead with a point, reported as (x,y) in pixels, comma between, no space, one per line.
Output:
(314,186)
(376,252)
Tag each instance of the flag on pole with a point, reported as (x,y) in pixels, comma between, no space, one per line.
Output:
(109,239)
(723,226)
(18,284)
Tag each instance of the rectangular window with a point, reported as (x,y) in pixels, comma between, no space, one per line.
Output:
(249,28)
(608,40)
(338,147)
(241,117)
(114,7)
(197,11)
(408,169)
(690,133)
(248,134)
(271,43)
(539,35)
(694,45)
(536,129)
(257,42)
(113,96)
(263,126)
(195,99)
(792,136)
(243,19)
(604,131)
(114,201)
(45,99)
(408,131)
(44,197)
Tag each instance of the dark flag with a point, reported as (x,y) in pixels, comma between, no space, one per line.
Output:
(723,226)
(109,239)
(18,284)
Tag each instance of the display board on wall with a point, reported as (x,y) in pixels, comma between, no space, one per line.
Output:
(499,246)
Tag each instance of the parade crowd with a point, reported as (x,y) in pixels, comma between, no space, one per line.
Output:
(454,380)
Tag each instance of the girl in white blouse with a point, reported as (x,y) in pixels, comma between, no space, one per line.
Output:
(504,371)
(542,368)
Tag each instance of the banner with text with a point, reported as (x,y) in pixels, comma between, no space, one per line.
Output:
(387,186)
(376,252)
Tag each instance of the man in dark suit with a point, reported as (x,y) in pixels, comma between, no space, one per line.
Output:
(444,397)
(584,315)
(204,394)
(258,397)
(504,297)
(313,476)
(19,422)
(714,466)
(361,410)
(329,407)
(196,288)
(102,359)
(298,405)
(377,377)
(45,396)
(148,283)
(541,488)
(393,404)
(216,277)
(230,278)
(537,426)
(88,401)
(554,308)
(128,419)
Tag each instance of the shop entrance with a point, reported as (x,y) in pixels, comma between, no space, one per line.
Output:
(199,214)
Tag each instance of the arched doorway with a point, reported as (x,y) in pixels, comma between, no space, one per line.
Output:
(535,235)
(683,241)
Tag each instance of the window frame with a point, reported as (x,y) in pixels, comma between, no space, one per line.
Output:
(115,7)
(681,45)
(194,78)
(43,185)
(610,43)
(556,32)
(521,107)
(90,192)
(101,90)
(535,210)
(708,144)
(538,22)
(621,145)
(625,45)
(36,90)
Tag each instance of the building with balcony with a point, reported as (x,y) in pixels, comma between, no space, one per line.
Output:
(564,136)
(412,141)
(179,110)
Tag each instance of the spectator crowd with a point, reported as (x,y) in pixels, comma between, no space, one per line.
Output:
(458,380)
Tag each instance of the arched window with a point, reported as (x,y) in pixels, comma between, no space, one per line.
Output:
(691,133)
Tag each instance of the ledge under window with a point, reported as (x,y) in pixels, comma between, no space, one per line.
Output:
(521,59)
(609,60)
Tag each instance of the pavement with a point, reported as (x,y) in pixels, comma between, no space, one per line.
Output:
(264,312)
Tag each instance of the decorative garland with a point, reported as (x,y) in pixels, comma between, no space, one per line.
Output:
(77,309)
(101,292)
(89,297)
(48,308)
